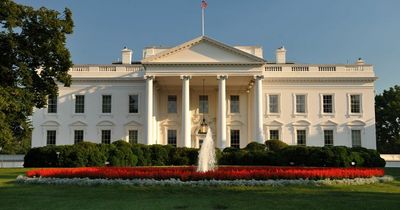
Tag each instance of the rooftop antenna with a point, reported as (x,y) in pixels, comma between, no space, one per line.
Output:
(203,7)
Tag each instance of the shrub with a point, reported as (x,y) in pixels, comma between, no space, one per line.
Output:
(41,157)
(230,149)
(275,145)
(121,154)
(159,155)
(254,146)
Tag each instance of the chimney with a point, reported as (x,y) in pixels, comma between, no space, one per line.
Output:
(360,62)
(126,56)
(281,55)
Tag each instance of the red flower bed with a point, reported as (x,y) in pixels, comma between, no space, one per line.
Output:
(222,173)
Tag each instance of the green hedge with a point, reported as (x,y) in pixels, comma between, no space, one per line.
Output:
(274,152)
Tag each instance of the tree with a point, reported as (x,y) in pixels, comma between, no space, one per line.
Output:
(33,60)
(387,112)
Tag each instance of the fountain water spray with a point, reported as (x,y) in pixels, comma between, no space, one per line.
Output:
(207,160)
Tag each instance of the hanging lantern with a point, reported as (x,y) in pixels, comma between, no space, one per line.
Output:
(203,127)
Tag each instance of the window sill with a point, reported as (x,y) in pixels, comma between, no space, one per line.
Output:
(273,114)
(356,114)
(105,115)
(328,114)
(301,114)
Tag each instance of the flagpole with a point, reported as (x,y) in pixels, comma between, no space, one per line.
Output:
(202,21)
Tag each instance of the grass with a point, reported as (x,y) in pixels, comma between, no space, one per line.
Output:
(375,196)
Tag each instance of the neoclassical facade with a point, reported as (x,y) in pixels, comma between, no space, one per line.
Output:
(164,97)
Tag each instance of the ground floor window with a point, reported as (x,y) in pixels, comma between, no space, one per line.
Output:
(356,138)
(78,136)
(235,138)
(105,136)
(301,137)
(51,137)
(172,137)
(328,137)
(133,136)
(273,134)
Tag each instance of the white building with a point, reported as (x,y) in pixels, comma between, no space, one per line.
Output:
(161,100)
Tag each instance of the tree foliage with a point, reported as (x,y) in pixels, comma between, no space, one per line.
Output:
(387,111)
(33,59)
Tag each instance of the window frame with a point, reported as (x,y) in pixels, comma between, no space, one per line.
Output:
(103,105)
(278,107)
(305,137)
(52,108)
(305,113)
(168,104)
(233,110)
(131,105)
(232,136)
(322,104)
(352,139)
(103,135)
(54,137)
(129,136)
(75,136)
(175,142)
(325,135)
(79,105)
(270,136)
(203,109)
(350,104)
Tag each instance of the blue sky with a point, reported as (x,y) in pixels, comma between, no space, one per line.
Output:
(313,31)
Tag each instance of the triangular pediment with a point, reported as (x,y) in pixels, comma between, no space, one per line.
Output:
(203,50)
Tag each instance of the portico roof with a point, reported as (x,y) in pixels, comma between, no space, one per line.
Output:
(203,50)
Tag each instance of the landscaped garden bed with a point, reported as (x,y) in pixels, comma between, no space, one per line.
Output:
(222,173)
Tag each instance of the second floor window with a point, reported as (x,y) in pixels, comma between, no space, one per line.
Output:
(133,104)
(79,104)
(203,104)
(172,104)
(300,103)
(355,103)
(106,104)
(52,104)
(235,104)
(327,103)
(273,103)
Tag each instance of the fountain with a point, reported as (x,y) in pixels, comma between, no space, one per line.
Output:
(207,160)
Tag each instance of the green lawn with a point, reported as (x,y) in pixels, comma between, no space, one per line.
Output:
(376,196)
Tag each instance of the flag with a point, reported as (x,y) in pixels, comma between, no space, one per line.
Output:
(203,4)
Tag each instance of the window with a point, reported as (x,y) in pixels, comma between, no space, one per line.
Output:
(301,137)
(172,104)
(105,136)
(203,104)
(273,134)
(356,138)
(300,103)
(235,138)
(235,104)
(355,103)
(78,136)
(133,104)
(79,104)
(52,104)
(273,103)
(106,105)
(172,137)
(327,103)
(328,137)
(51,137)
(133,136)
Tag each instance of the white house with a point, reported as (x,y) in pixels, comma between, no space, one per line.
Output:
(164,98)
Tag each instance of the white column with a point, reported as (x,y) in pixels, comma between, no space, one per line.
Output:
(258,111)
(148,137)
(186,125)
(221,127)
